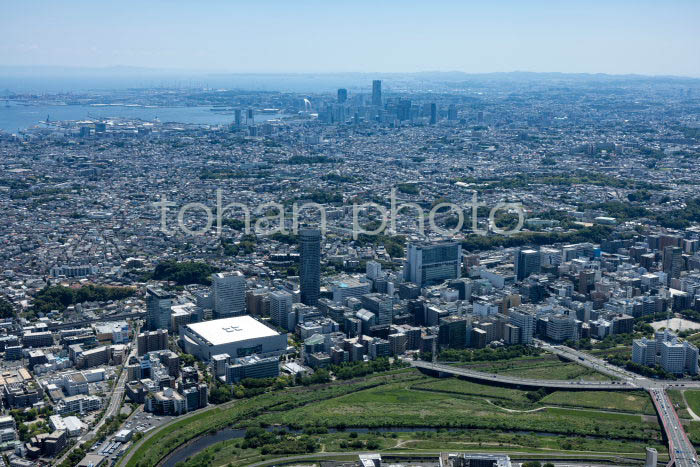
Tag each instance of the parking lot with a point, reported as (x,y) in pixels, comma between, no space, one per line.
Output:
(143,422)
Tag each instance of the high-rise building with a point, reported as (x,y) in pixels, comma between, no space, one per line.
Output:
(561,327)
(374,269)
(377,92)
(228,294)
(403,110)
(526,262)
(673,262)
(586,281)
(430,264)
(525,323)
(150,341)
(453,332)
(280,309)
(310,273)
(433,113)
(158,303)
(381,305)
(452,112)
(342,95)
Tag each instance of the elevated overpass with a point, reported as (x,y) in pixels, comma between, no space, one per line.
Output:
(680,448)
(569,385)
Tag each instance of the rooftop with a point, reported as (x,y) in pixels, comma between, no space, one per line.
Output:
(226,330)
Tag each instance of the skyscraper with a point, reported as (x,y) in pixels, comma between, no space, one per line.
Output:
(673,262)
(433,113)
(377,92)
(430,264)
(403,110)
(310,274)
(452,112)
(228,294)
(526,262)
(342,95)
(158,304)
(280,308)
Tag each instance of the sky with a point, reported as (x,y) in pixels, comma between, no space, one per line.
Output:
(298,36)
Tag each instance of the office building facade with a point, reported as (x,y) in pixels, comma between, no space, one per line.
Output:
(310,273)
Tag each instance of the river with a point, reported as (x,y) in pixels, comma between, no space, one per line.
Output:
(192,448)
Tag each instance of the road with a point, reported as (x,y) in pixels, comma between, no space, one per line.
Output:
(525,382)
(589,361)
(555,457)
(680,448)
(113,406)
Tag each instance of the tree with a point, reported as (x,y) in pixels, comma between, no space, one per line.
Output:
(6,310)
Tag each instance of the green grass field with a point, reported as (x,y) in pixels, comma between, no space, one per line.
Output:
(693,398)
(678,402)
(400,405)
(545,366)
(480,417)
(232,453)
(637,402)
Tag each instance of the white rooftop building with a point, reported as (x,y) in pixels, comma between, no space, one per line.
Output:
(237,336)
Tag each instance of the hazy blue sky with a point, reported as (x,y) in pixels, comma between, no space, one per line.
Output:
(612,36)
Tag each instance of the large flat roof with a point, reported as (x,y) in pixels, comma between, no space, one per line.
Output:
(227,330)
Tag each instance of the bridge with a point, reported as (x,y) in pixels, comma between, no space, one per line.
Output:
(680,448)
(569,385)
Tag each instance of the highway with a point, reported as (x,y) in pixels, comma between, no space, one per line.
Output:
(525,382)
(680,448)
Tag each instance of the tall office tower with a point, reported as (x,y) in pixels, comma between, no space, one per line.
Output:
(673,262)
(377,92)
(310,274)
(158,304)
(430,264)
(228,294)
(237,117)
(452,112)
(433,113)
(403,110)
(280,308)
(342,95)
(526,262)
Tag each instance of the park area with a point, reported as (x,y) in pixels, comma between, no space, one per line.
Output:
(405,411)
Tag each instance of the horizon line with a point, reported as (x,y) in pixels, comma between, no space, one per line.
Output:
(133,68)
